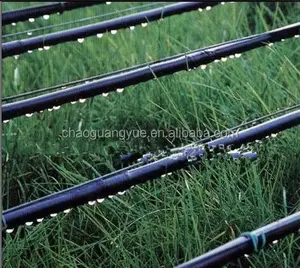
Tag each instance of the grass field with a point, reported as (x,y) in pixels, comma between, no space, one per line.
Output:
(167,221)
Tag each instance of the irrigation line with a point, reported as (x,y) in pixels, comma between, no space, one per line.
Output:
(98,189)
(243,125)
(247,243)
(124,79)
(80,20)
(24,14)
(21,46)
(96,77)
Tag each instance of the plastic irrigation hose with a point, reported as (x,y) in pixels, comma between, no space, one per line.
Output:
(245,245)
(24,14)
(146,73)
(22,46)
(96,77)
(100,188)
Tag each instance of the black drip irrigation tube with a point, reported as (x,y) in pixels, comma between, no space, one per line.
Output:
(24,14)
(247,243)
(188,61)
(21,46)
(101,188)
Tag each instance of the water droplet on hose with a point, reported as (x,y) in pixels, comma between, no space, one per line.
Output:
(46,47)
(120,90)
(9,231)
(91,203)
(99,35)
(144,24)
(80,40)
(40,49)
(297,36)
(29,223)
(122,193)
(114,31)
(13,24)
(5,121)
(200,9)
(31,20)
(29,51)
(46,17)
(66,211)
(40,220)
(100,200)
(208,8)
(50,109)
(56,107)
(131,28)
(203,67)
(53,215)
(224,59)
(105,94)
(29,33)
(237,55)
(108,3)
(82,100)
(28,115)
(73,102)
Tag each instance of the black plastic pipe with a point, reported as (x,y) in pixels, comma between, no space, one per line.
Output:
(38,11)
(100,188)
(146,73)
(244,245)
(22,46)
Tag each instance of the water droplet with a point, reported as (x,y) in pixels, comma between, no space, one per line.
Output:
(91,203)
(231,56)
(53,215)
(275,242)
(110,196)
(122,193)
(9,231)
(63,87)
(282,40)
(73,102)
(100,35)
(120,90)
(80,40)
(56,107)
(46,47)
(131,28)
(5,121)
(29,223)
(31,20)
(105,94)
(203,67)
(216,60)
(208,8)
(82,100)
(100,200)
(13,24)
(169,174)
(40,49)
(50,109)
(237,55)
(108,3)
(200,9)
(144,24)
(297,36)
(224,59)
(274,135)
(28,115)
(114,31)
(29,51)
(246,255)
(40,220)
(66,211)
(46,17)
(163,176)
(222,3)
(270,44)
(29,33)
(16,56)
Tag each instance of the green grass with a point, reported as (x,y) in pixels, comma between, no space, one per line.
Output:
(167,221)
